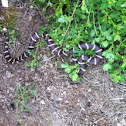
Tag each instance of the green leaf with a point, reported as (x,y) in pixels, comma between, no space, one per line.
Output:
(124,58)
(33,92)
(25,100)
(110,57)
(122,78)
(108,37)
(41,30)
(83,7)
(92,34)
(64,65)
(105,44)
(83,17)
(97,39)
(104,53)
(89,24)
(117,78)
(107,67)
(68,19)
(74,77)
(123,5)
(61,19)
(68,46)
(68,70)
(59,11)
(117,37)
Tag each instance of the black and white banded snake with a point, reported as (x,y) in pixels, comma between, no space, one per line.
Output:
(57,51)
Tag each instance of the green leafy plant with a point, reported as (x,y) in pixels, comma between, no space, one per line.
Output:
(71,70)
(13,35)
(23,95)
(34,63)
(97,22)
(116,64)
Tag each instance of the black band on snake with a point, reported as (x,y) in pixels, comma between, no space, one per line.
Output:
(57,51)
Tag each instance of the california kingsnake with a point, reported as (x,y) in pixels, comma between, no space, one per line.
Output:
(57,51)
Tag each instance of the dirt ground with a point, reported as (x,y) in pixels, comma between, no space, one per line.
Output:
(96,101)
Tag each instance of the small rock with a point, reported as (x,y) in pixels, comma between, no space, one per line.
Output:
(89,90)
(64,93)
(50,88)
(66,101)
(112,88)
(42,102)
(59,99)
(9,74)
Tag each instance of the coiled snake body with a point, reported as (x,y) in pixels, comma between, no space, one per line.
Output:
(57,51)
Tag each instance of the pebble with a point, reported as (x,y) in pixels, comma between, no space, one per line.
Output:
(89,90)
(64,93)
(42,102)
(59,99)
(9,74)
(66,101)
(50,88)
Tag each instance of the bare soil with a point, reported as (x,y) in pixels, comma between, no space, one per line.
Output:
(96,101)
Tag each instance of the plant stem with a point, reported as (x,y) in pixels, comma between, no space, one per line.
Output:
(94,24)
(18,116)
